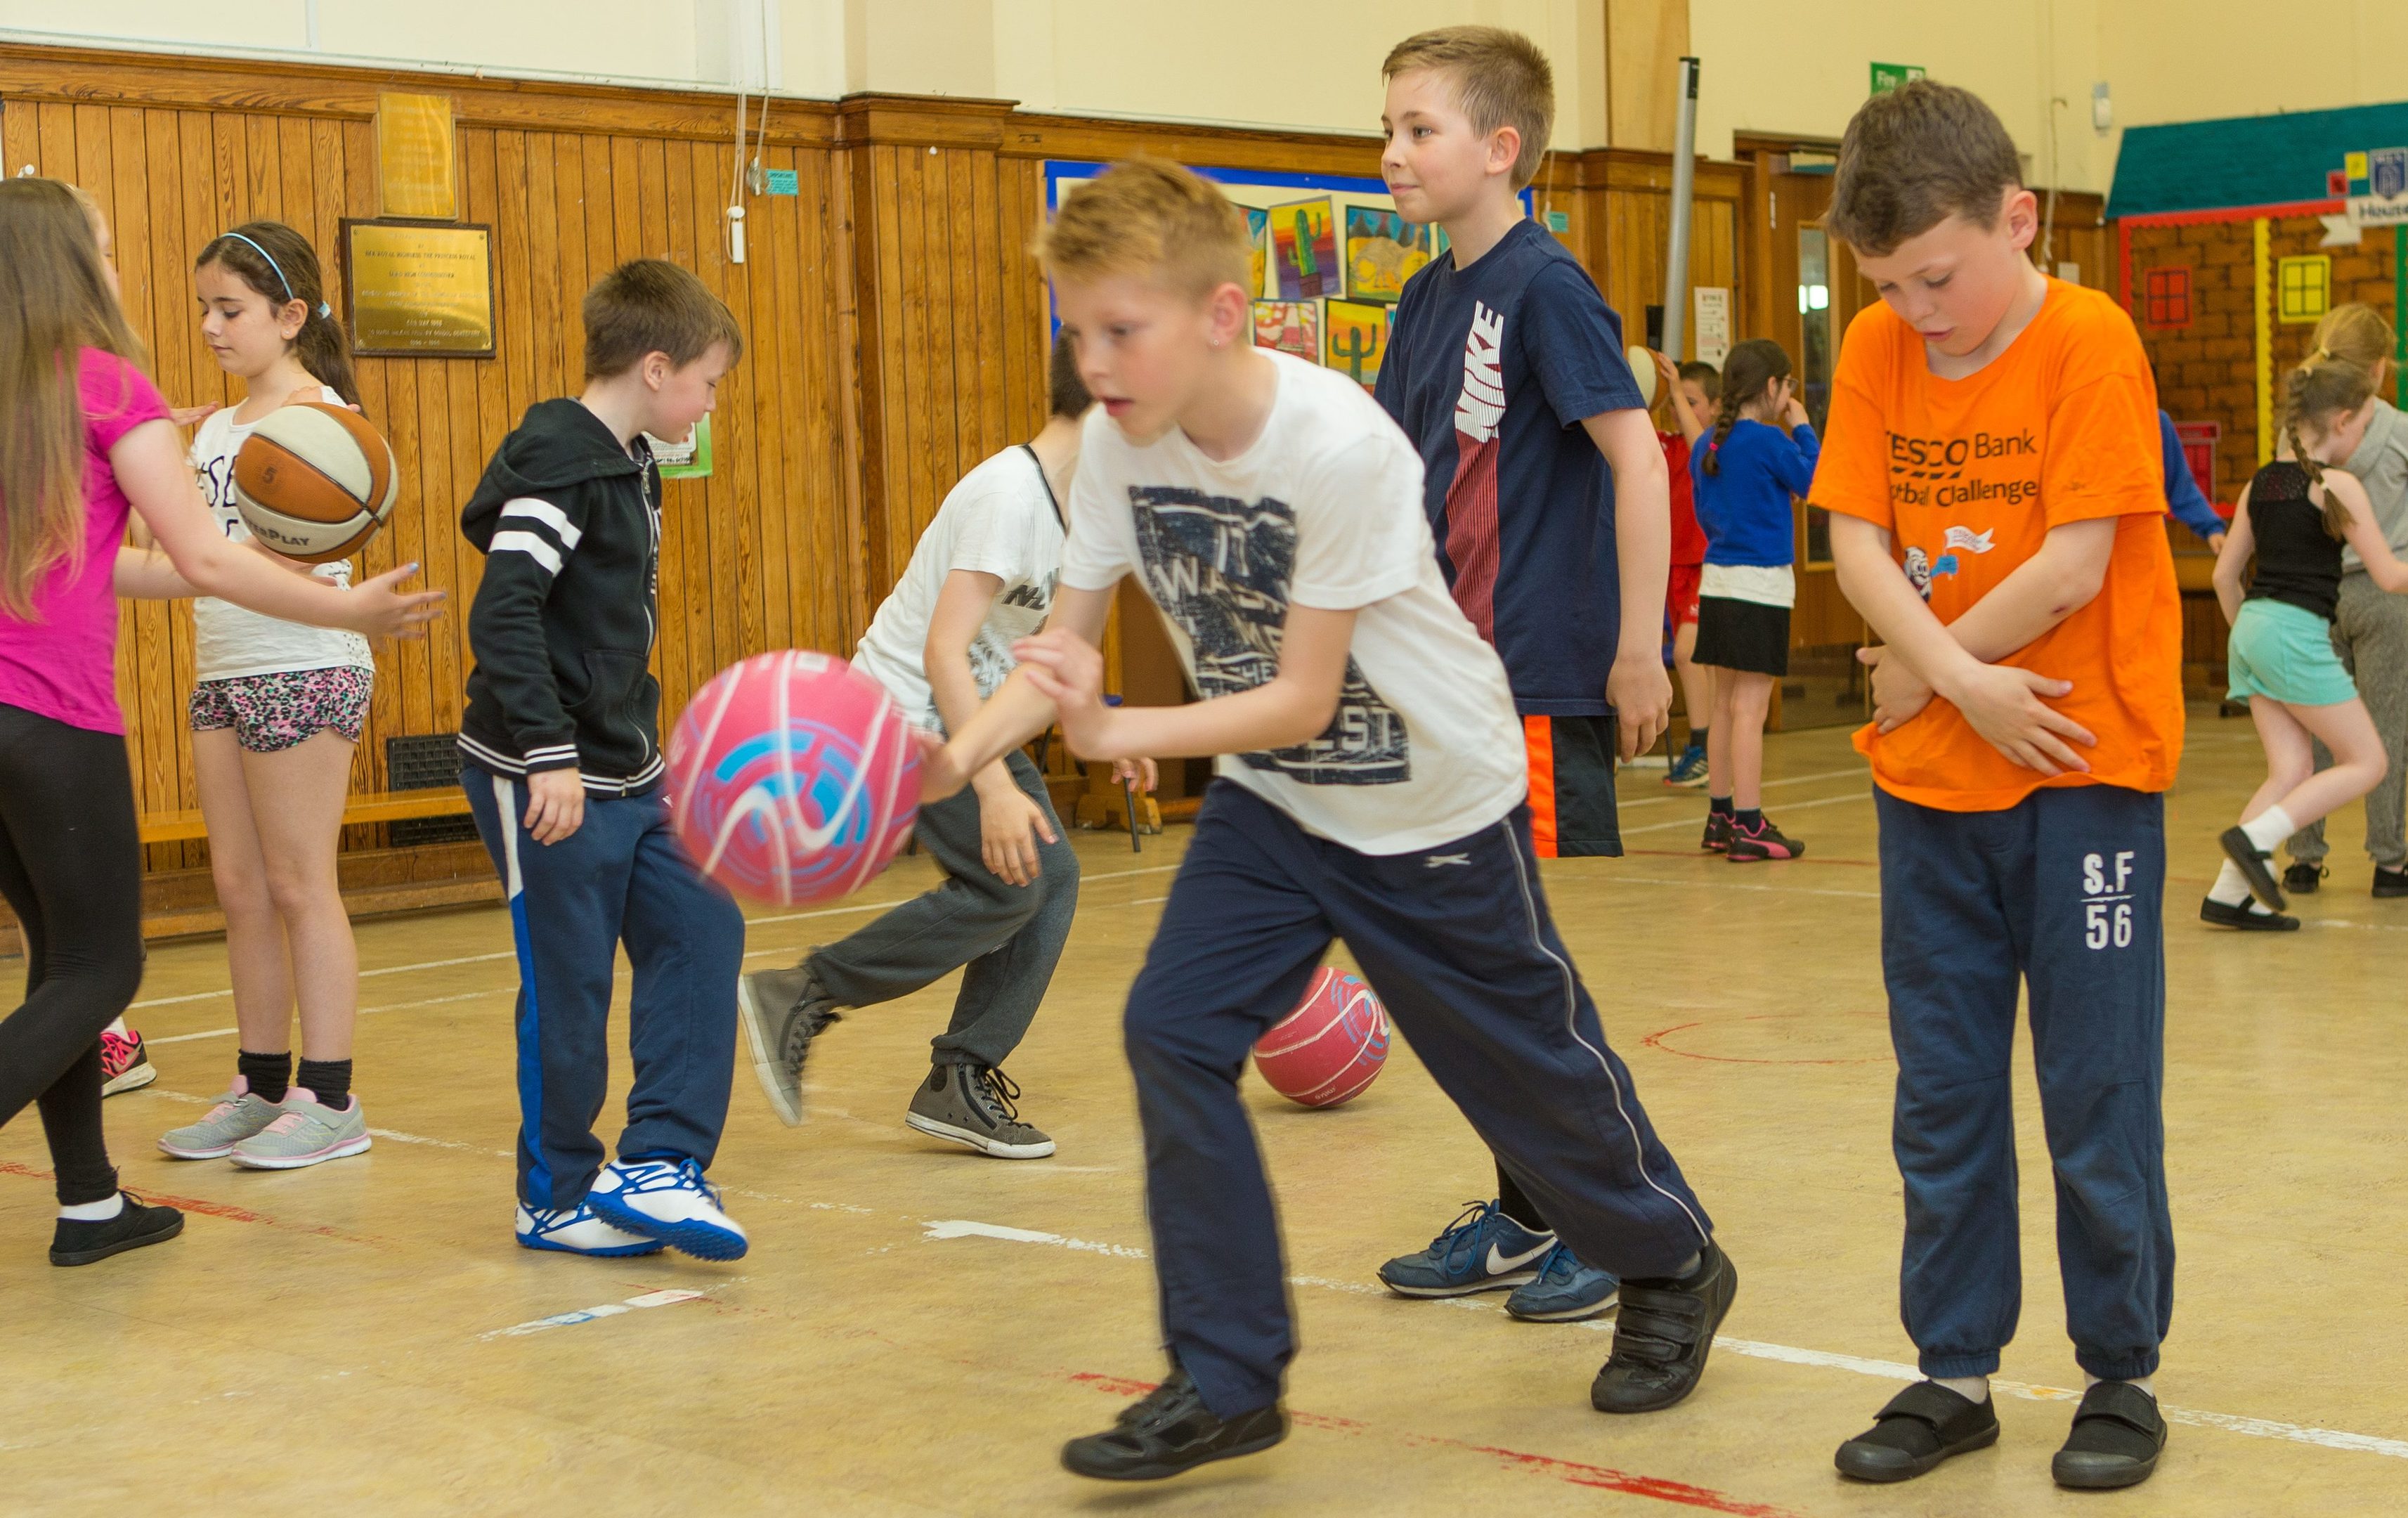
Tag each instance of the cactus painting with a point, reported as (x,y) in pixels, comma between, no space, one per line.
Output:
(1382,252)
(1292,326)
(1358,337)
(1259,232)
(1304,249)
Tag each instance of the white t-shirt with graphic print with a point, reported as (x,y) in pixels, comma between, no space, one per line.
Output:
(1000,520)
(230,642)
(1323,509)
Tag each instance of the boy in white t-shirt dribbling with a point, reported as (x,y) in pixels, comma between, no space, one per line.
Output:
(981,578)
(1370,787)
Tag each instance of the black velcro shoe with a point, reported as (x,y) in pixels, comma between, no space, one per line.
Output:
(1170,1430)
(2390,883)
(1661,1337)
(2117,1434)
(1921,1426)
(77,1242)
(2257,867)
(2303,878)
(2223,914)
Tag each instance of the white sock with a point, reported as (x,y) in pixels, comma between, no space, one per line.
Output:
(1971,1388)
(95,1212)
(2147,1384)
(117,1025)
(2272,826)
(2231,889)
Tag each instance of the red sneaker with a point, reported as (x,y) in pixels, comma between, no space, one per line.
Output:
(123,1066)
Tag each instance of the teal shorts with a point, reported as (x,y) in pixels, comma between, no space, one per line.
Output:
(2285,653)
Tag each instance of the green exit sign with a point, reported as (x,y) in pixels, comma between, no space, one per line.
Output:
(1889,77)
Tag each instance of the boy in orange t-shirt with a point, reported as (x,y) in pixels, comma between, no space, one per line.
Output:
(1993,483)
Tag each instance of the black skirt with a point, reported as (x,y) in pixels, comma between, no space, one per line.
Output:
(1746,636)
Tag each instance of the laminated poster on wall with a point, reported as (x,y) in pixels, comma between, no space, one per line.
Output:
(1357,338)
(1382,252)
(1304,249)
(688,460)
(1292,326)
(1258,233)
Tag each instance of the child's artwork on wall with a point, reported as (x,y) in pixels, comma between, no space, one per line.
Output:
(1358,336)
(1292,326)
(1304,248)
(1259,232)
(1382,252)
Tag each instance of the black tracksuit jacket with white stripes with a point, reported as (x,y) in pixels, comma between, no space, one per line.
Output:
(564,621)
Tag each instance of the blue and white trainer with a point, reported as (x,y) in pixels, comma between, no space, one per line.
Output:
(1687,769)
(1482,1250)
(667,1201)
(1566,1291)
(575,1230)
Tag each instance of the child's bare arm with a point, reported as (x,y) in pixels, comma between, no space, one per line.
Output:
(1641,691)
(2042,591)
(2002,703)
(2383,567)
(2232,559)
(1018,710)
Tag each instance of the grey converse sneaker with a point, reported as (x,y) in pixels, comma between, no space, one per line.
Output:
(782,1011)
(970,1104)
(237,1115)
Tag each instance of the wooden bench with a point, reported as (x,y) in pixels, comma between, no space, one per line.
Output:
(379,807)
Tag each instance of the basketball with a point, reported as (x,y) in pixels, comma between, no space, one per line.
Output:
(314,481)
(1332,1046)
(793,778)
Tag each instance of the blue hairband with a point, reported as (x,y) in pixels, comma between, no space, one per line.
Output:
(323,310)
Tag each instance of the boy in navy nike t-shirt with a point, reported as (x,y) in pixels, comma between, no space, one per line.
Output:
(1549,499)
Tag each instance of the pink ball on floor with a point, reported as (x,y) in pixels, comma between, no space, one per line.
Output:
(1331,1047)
(793,778)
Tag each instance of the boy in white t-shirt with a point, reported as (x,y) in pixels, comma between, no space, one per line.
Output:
(981,578)
(1372,787)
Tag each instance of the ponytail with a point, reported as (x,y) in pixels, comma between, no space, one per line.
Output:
(2316,393)
(1751,370)
(279,263)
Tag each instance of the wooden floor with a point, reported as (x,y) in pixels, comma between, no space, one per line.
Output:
(918,1328)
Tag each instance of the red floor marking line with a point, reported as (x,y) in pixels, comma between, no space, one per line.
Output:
(1609,1479)
(207,1208)
(1573,1471)
(1700,854)
(1655,1040)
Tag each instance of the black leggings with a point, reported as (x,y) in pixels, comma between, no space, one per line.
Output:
(70,865)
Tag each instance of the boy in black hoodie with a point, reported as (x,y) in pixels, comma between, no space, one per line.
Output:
(561,744)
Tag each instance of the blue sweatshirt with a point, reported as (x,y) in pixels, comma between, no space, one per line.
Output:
(2184,502)
(1746,508)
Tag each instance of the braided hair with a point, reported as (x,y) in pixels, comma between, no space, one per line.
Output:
(1748,374)
(2316,392)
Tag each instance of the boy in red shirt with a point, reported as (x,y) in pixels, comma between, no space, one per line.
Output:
(1693,394)
(1993,482)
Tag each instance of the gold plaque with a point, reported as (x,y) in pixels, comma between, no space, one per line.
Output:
(418,290)
(414,157)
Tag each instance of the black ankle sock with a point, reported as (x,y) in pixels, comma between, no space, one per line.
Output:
(1696,737)
(268,1076)
(1750,818)
(1720,806)
(328,1079)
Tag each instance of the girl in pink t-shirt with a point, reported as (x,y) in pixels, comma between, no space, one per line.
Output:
(91,441)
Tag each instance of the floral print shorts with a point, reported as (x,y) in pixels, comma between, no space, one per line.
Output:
(270,713)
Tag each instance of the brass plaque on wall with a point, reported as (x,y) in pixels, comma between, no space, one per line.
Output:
(414,157)
(419,291)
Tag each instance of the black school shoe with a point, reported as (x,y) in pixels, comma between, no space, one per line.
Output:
(2390,883)
(1921,1426)
(1170,1430)
(2257,867)
(2302,878)
(1662,1335)
(2224,914)
(78,1243)
(2117,1435)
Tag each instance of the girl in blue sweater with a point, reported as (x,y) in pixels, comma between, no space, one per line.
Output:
(1744,479)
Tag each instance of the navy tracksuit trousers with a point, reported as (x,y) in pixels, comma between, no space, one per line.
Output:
(1457,942)
(2060,893)
(622,877)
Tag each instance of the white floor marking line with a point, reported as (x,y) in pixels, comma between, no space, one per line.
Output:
(1699,821)
(1695,792)
(389,969)
(388,1007)
(1710,885)
(2330,1439)
(605,1309)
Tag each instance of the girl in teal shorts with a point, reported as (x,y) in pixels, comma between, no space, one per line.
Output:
(2294,517)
